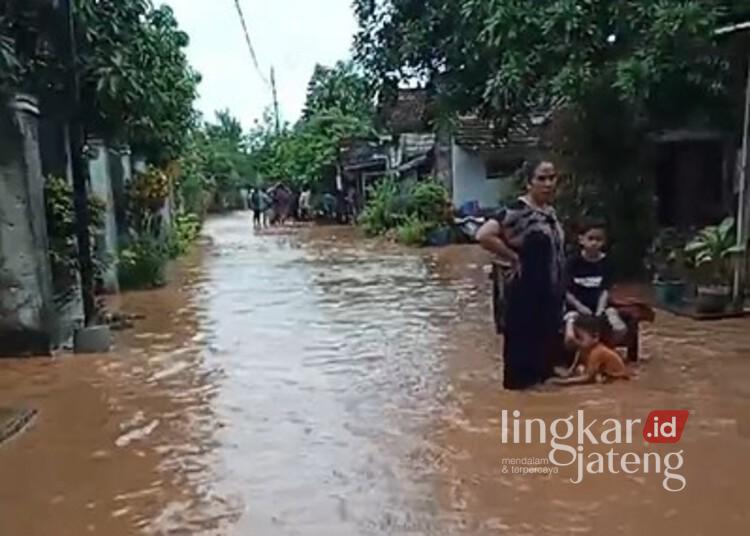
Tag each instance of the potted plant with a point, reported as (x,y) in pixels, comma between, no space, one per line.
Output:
(712,252)
(667,263)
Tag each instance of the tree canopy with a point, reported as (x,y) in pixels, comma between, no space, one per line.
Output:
(506,56)
(136,83)
(342,87)
(339,105)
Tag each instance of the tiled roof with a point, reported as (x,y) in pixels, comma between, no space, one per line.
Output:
(477,133)
(408,112)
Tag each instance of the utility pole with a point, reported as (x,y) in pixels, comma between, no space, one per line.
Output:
(78,164)
(275,102)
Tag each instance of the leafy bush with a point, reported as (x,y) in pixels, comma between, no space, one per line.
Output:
(185,230)
(61,231)
(381,212)
(414,206)
(413,232)
(666,257)
(150,188)
(428,200)
(711,252)
(142,263)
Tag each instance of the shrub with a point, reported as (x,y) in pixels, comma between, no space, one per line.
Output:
(712,252)
(61,232)
(380,213)
(413,232)
(142,263)
(184,232)
(428,200)
(414,207)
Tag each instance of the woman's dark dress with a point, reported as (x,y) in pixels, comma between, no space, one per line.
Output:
(534,301)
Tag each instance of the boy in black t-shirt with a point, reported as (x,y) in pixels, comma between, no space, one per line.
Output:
(589,275)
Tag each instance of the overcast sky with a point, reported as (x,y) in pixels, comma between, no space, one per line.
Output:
(291,35)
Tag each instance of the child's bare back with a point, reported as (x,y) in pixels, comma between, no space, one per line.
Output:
(595,361)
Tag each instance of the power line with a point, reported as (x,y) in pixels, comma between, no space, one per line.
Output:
(250,43)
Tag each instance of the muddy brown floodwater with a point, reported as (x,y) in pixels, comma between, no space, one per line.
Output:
(301,382)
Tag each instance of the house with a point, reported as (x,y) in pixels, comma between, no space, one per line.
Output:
(406,151)
(362,162)
(694,176)
(485,161)
(475,160)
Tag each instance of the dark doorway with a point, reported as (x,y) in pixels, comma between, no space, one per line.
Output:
(689,183)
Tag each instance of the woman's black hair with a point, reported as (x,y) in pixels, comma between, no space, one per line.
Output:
(528,170)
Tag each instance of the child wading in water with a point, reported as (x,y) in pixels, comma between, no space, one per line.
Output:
(589,274)
(594,361)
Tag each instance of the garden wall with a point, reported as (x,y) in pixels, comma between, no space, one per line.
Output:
(26,308)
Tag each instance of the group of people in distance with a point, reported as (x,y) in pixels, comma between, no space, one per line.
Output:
(279,203)
(553,305)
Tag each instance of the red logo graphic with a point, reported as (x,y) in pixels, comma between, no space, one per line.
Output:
(665,425)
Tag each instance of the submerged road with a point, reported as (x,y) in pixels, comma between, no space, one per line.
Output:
(302,382)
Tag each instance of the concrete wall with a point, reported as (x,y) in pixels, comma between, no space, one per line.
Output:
(470,181)
(101,186)
(120,173)
(444,159)
(26,308)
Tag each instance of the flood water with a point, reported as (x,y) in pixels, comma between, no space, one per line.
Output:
(302,382)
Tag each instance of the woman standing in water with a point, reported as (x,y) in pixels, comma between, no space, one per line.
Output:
(527,235)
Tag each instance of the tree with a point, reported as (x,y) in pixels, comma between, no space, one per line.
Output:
(508,55)
(216,166)
(136,83)
(339,105)
(342,87)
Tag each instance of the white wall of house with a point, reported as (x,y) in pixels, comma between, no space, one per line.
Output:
(470,182)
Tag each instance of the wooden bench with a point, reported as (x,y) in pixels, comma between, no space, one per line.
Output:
(632,311)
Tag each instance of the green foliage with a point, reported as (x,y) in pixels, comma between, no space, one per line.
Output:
(413,231)
(142,263)
(507,56)
(193,182)
(342,87)
(185,230)
(144,254)
(428,200)
(136,83)
(666,258)
(712,251)
(339,106)
(382,211)
(412,207)
(226,159)
(60,216)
